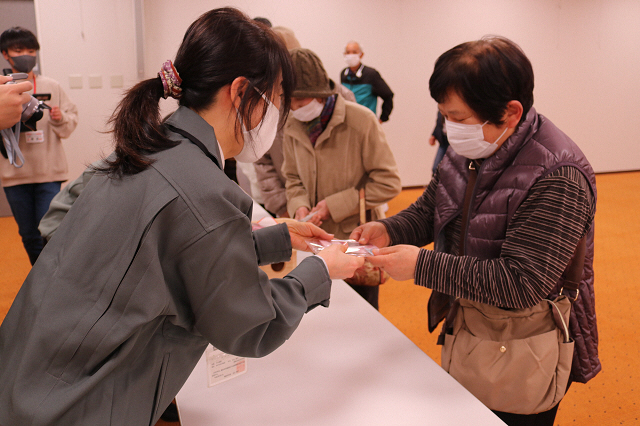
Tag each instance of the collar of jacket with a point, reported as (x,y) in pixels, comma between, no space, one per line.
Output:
(189,121)
(528,132)
(506,154)
(491,168)
(297,130)
(358,73)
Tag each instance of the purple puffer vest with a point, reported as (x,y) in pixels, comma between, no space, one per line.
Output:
(535,150)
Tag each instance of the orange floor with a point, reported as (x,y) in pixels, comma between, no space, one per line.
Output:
(611,398)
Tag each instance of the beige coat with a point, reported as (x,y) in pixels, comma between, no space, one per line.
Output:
(351,152)
(269,168)
(46,161)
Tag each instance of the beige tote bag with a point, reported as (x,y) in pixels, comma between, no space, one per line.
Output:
(516,361)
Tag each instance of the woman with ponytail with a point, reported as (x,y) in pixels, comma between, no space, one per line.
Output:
(157,258)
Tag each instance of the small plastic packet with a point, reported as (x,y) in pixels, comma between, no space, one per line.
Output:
(354,248)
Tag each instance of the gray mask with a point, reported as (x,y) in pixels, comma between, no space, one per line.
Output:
(23,63)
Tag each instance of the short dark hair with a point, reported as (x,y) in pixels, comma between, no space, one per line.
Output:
(220,46)
(18,38)
(486,74)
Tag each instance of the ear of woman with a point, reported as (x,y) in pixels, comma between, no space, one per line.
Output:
(237,89)
(514,113)
(511,119)
(222,115)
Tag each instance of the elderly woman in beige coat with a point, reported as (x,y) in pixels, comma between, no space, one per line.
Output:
(332,148)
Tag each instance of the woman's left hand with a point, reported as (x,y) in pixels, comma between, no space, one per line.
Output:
(302,231)
(399,261)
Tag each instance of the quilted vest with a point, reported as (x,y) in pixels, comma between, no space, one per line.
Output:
(535,150)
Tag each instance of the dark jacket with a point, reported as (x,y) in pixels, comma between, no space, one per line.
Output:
(536,150)
(439,132)
(142,273)
(367,85)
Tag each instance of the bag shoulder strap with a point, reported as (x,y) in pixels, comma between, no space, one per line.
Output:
(439,306)
(560,321)
(573,273)
(473,174)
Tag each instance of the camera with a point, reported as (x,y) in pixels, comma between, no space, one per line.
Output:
(33,110)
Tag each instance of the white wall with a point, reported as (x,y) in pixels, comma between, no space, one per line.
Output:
(585,55)
(88,38)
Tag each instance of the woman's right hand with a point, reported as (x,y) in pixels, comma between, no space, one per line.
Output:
(340,265)
(371,233)
(12,97)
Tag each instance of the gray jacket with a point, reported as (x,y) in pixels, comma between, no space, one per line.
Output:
(63,200)
(142,273)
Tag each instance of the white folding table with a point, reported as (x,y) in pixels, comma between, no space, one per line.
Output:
(344,365)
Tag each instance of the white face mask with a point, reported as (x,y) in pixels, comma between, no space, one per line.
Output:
(308,112)
(258,140)
(352,59)
(468,141)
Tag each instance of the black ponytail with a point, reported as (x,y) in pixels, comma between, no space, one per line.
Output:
(220,46)
(137,129)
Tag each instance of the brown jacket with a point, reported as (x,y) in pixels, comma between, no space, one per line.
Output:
(351,152)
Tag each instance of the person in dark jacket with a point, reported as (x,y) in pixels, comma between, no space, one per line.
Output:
(533,199)
(365,82)
(156,259)
(439,135)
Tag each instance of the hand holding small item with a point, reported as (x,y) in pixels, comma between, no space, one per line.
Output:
(398,261)
(301,213)
(12,99)
(320,213)
(366,274)
(340,264)
(300,232)
(371,233)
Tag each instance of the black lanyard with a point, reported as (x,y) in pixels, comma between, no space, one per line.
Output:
(195,141)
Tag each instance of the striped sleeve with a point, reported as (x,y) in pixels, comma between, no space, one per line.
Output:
(540,241)
(414,225)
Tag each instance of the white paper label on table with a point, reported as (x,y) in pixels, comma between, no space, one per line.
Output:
(222,367)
